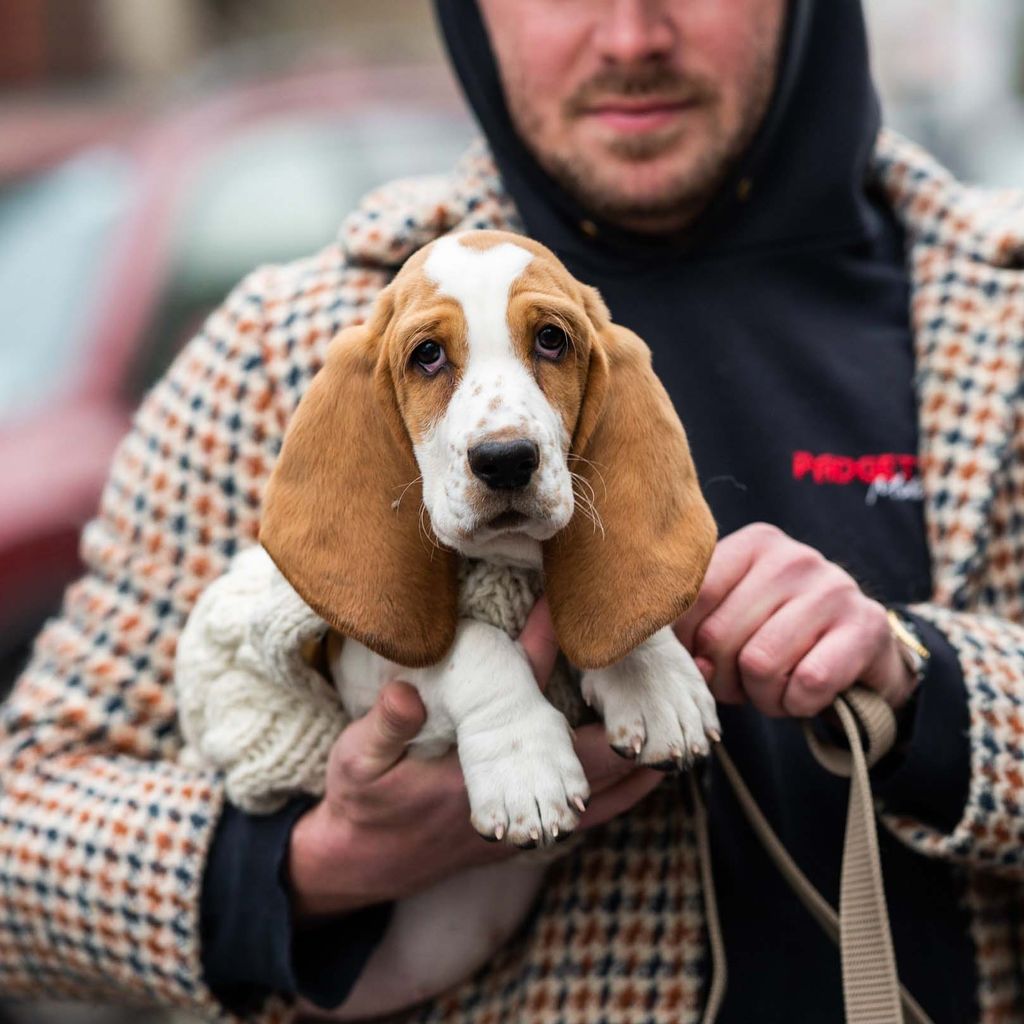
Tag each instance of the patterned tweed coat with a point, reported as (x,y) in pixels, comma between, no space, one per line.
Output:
(103,836)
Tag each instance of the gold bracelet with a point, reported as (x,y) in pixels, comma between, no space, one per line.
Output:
(914,653)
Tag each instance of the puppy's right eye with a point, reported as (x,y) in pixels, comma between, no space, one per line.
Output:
(429,357)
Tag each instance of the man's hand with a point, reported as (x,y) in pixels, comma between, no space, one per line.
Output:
(389,826)
(780,626)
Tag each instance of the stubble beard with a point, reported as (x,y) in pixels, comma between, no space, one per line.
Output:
(678,199)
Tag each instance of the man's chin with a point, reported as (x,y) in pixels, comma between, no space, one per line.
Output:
(648,181)
(630,190)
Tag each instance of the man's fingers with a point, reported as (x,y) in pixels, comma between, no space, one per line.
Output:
(730,562)
(771,654)
(602,766)
(726,630)
(831,666)
(377,741)
(706,667)
(539,642)
(618,798)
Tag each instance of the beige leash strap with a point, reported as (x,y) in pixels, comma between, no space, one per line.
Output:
(716,946)
(872,992)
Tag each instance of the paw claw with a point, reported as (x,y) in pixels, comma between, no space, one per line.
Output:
(519,793)
(657,711)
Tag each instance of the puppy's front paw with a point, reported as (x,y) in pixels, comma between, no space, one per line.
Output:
(656,706)
(526,786)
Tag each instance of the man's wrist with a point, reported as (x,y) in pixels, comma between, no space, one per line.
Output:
(914,653)
(319,859)
(245,941)
(898,684)
(905,665)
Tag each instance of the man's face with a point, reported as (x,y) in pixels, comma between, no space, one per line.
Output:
(638,107)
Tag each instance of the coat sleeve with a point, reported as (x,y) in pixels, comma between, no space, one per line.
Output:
(988,831)
(103,834)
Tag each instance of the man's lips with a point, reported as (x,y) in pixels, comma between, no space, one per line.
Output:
(633,117)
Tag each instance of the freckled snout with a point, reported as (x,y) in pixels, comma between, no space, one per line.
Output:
(504,465)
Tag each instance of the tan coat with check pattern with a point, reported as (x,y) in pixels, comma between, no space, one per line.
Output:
(103,837)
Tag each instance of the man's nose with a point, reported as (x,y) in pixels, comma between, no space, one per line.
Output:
(633,31)
(504,465)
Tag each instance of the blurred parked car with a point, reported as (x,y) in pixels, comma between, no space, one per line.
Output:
(110,261)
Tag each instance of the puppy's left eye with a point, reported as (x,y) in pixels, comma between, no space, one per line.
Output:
(551,342)
(429,356)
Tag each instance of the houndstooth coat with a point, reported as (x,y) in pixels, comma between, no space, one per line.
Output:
(103,835)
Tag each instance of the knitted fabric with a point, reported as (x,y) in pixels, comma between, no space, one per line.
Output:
(498,595)
(251,705)
(104,833)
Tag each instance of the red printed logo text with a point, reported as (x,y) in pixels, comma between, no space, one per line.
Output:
(885,475)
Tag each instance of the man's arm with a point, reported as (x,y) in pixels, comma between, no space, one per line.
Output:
(781,627)
(103,837)
(988,832)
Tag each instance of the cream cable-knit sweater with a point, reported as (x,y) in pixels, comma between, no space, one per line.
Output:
(251,705)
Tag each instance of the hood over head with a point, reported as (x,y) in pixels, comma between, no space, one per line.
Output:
(802,177)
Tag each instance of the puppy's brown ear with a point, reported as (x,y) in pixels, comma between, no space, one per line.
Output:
(615,581)
(341,516)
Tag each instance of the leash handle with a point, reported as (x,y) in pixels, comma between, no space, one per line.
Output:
(872,993)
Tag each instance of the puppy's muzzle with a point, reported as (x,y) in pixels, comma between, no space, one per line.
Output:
(504,465)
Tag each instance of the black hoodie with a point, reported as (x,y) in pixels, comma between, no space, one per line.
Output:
(779,324)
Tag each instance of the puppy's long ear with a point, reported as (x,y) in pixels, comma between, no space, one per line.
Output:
(341,516)
(613,584)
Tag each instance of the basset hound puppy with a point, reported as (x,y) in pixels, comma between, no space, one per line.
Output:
(486,383)
(488,409)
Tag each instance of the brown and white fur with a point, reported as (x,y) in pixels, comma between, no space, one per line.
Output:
(380,489)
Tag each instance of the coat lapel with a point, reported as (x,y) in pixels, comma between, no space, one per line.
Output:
(966,249)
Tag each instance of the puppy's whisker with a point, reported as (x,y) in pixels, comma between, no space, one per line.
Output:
(585,501)
(586,491)
(396,504)
(589,514)
(584,484)
(593,465)
(426,534)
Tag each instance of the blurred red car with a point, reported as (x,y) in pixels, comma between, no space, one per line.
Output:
(109,262)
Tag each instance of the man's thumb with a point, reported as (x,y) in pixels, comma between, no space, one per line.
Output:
(539,642)
(377,741)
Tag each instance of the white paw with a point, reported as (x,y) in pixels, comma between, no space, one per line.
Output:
(656,706)
(526,786)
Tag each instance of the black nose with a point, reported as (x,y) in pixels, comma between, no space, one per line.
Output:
(504,465)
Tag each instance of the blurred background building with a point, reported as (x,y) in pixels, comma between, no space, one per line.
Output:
(154,151)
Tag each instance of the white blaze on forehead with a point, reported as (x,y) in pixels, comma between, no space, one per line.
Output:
(479,280)
(498,392)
